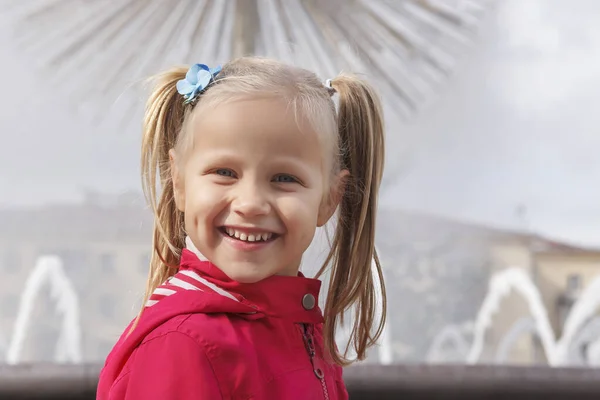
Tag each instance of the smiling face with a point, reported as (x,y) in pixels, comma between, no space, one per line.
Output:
(253,188)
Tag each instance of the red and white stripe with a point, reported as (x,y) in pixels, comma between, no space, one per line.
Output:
(186,280)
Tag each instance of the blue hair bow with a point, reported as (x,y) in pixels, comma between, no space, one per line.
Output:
(196,81)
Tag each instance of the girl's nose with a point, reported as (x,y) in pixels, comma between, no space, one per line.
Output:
(250,201)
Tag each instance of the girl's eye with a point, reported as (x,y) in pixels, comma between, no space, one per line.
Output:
(283,178)
(225,172)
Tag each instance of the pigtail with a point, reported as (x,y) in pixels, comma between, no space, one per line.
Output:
(163,121)
(361,135)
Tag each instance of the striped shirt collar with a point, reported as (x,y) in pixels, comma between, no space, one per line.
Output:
(278,296)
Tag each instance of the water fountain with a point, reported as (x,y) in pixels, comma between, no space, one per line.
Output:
(581,311)
(189,30)
(49,270)
(525,325)
(593,353)
(556,351)
(3,346)
(453,335)
(581,349)
(501,285)
(386,352)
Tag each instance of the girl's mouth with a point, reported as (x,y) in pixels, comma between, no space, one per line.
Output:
(248,236)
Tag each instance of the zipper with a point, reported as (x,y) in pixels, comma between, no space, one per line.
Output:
(309,342)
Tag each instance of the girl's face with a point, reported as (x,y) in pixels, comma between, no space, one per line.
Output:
(253,188)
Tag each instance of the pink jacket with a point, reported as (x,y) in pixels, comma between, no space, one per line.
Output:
(204,336)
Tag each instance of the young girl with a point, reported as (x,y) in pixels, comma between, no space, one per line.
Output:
(251,159)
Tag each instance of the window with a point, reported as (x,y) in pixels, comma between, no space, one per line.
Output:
(75,263)
(573,283)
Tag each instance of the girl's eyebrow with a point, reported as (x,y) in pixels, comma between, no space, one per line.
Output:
(296,164)
(215,156)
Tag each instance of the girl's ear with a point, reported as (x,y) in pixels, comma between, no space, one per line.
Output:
(178,186)
(332,200)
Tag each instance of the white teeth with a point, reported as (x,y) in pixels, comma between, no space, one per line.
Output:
(255,237)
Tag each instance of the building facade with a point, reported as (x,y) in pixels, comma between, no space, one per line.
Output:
(437,274)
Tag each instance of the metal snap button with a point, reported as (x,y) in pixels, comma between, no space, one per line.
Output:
(308,301)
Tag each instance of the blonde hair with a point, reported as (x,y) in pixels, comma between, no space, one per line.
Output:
(356,143)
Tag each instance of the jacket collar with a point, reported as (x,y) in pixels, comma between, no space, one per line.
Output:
(294,298)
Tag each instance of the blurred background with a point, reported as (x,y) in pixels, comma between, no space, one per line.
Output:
(489,221)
